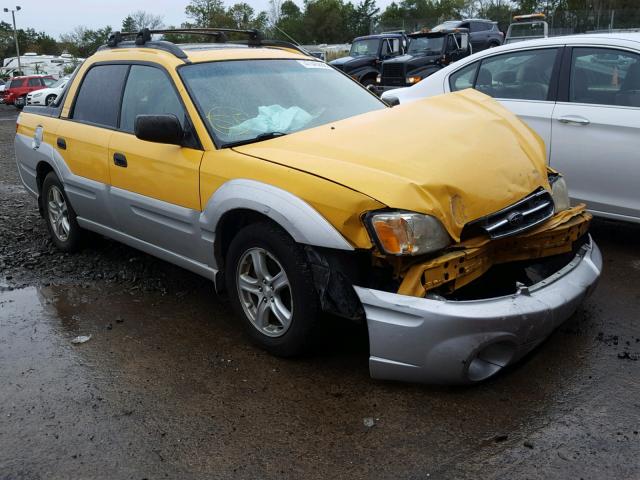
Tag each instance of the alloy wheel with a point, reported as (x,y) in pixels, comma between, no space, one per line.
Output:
(58,213)
(264,292)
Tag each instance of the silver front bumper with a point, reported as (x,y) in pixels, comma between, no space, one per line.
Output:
(440,341)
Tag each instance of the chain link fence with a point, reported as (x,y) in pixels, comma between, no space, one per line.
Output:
(561,22)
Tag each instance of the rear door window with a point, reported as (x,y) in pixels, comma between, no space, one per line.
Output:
(98,100)
(605,77)
(149,91)
(35,82)
(524,75)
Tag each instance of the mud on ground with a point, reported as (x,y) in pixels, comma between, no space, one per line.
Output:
(168,387)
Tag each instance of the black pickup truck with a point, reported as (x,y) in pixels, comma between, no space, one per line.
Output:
(427,53)
(367,54)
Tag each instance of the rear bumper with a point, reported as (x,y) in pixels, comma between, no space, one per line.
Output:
(437,341)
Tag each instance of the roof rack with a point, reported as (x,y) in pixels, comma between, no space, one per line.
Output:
(143,38)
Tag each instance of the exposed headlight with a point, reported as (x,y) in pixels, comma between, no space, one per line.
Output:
(559,193)
(413,80)
(405,233)
(37,95)
(379,79)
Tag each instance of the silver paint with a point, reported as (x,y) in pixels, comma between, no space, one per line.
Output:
(440,341)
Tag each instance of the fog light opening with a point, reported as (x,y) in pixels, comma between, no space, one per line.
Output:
(490,360)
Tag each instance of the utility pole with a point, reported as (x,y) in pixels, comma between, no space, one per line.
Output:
(15,35)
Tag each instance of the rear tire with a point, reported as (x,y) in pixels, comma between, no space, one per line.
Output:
(63,227)
(270,285)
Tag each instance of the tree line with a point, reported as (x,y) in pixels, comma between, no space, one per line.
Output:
(314,21)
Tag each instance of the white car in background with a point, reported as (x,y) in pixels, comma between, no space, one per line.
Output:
(580,93)
(47,96)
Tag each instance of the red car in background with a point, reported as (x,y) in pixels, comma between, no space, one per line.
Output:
(15,93)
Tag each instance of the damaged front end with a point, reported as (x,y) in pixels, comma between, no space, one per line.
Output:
(462,314)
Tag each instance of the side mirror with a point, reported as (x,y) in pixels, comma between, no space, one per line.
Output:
(159,129)
(392,101)
(464,42)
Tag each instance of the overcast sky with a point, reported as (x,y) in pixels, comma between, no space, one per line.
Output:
(61,16)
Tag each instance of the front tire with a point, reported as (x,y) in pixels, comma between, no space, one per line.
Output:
(50,99)
(270,285)
(368,82)
(63,227)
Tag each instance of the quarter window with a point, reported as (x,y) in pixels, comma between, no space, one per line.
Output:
(519,75)
(605,76)
(98,100)
(148,91)
(463,78)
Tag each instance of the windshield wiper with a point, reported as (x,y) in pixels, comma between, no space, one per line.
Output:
(257,138)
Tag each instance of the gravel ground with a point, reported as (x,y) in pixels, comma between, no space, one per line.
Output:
(167,387)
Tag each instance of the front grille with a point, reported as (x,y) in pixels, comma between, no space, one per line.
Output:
(523,215)
(393,74)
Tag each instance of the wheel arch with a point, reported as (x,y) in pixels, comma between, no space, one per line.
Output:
(242,201)
(43,169)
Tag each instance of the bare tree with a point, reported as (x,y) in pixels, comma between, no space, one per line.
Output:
(141,19)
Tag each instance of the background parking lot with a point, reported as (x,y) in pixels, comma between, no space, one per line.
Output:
(167,386)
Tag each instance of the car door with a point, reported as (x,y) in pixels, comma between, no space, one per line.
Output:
(155,186)
(479,35)
(82,141)
(524,81)
(596,129)
(34,83)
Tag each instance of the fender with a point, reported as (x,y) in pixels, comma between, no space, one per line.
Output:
(360,73)
(296,216)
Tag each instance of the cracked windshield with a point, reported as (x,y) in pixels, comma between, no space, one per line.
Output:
(251,100)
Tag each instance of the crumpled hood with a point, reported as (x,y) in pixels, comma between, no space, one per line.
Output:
(457,157)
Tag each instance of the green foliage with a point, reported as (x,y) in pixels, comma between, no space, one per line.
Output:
(82,41)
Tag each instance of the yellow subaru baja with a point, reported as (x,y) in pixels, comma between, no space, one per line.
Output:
(298,191)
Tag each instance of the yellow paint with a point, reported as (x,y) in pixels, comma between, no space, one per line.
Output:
(164,172)
(86,154)
(341,206)
(459,267)
(457,157)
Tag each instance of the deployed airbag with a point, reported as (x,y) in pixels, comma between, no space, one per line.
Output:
(272,118)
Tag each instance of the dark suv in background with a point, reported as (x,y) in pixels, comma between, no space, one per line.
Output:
(483,33)
(367,54)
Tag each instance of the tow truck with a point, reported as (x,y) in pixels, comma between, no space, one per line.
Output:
(527,27)
(427,53)
(367,54)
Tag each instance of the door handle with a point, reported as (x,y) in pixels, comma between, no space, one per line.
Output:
(62,144)
(574,119)
(119,160)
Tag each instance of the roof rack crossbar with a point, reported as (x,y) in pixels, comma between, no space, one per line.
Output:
(144,38)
